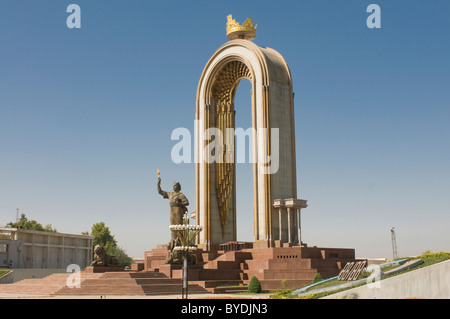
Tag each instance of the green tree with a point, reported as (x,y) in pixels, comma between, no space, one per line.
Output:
(102,236)
(120,253)
(25,223)
(317,278)
(254,286)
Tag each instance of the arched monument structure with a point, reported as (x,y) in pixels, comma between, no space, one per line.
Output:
(276,208)
(277,251)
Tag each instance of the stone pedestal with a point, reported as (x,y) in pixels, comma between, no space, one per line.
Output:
(137,267)
(102,269)
(176,271)
(272,262)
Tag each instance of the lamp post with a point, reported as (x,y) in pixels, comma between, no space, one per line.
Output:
(184,231)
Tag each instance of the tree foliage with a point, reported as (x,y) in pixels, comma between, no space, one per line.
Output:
(103,237)
(317,278)
(25,223)
(120,253)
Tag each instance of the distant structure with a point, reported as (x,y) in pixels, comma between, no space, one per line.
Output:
(21,248)
(394,244)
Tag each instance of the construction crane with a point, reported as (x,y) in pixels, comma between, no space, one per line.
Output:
(394,244)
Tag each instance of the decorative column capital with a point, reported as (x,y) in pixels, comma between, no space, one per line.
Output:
(290,203)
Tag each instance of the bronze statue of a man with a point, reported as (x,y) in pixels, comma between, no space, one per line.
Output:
(177,202)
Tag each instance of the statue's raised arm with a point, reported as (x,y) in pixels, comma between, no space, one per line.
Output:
(160,191)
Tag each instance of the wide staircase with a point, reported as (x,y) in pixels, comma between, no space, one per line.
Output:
(43,286)
(101,284)
(291,267)
(276,267)
(216,271)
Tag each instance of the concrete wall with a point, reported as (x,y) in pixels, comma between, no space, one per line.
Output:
(30,273)
(8,252)
(7,278)
(432,282)
(21,248)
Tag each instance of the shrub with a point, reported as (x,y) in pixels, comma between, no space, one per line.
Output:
(317,278)
(284,284)
(440,255)
(254,286)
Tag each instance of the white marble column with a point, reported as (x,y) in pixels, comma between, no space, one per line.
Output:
(289,225)
(279,222)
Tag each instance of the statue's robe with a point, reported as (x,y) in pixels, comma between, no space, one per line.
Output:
(178,203)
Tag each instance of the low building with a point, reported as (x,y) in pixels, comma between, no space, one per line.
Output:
(21,248)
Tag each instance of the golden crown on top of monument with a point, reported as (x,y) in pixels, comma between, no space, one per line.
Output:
(245,31)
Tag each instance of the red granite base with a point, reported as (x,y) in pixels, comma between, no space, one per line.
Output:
(102,269)
(279,266)
(137,267)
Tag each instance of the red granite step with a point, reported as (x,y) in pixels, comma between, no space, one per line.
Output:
(139,274)
(131,283)
(110,283)
(145,289)
(43,286)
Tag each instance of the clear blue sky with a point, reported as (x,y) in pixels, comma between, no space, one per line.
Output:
(86,115)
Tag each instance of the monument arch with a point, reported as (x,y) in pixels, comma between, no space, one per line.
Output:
(272,108)
(277,250)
